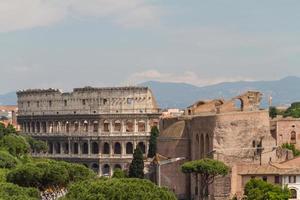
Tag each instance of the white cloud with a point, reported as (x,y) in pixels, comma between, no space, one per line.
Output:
(185,77)
(25,14)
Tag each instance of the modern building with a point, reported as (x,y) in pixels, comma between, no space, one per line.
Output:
(99,127)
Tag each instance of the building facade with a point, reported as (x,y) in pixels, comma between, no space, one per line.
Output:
(98,127)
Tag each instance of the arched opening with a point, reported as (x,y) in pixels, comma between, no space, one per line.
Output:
(202,146)
(106,149)
(293,193)
(129,148)
(206,152)
(44,127)
(50,148)
(117,126)
(106,126)
(75,148)
(95,126)
(85,148)
(117,166)
(57,148)
(141,126)
(117,148)
(28,127)
(76,126)
(67,127)
(129,126)
(56,127)
(106,170)
(293,137)
(142,147)
(33,127)
(197,146)
(66,148)
(85,126)
(38,127)
(95,148)
(95,167)
(239,104)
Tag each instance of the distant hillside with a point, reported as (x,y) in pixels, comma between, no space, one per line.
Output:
(181,95)
(8,99)
(284,91)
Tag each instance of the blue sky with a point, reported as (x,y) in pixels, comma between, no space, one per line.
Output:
(74,43)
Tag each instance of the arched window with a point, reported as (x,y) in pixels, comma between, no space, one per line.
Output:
(44,127)
(66,148)
(142,147)
(106,170)
(95,167)
(141,126)
(38,127)
(85,126)
(95,148)
(50,148)
(75,148)
(57,148)
(129,126)
(293,193)
(95,126)
(76,126)
(129,148)
(67,127)
(293,137)
(106,126)
(202,146)
(117,149)
(33,127)
(85,148)
(117,126)
(106,149)
(207,146)
(117,166)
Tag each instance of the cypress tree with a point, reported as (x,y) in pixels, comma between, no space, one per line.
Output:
(153,142)
(136,169)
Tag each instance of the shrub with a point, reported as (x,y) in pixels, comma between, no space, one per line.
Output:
(16,145)
(10,191)
(7,160)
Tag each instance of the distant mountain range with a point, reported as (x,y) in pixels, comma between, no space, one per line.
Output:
(180,95)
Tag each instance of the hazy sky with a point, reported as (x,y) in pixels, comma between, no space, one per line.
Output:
(74,43)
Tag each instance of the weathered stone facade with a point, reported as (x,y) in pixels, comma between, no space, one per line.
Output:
(220,130)
(99,127)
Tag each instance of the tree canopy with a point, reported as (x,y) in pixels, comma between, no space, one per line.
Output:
(153,142)
(136,168)
(293,110)
(115,189)
(207,169)
(257,189)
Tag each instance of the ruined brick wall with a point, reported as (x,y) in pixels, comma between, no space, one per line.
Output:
(285,128)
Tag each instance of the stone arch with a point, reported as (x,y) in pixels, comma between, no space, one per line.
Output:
(57,148)
(106,127)
(129,148)
(293,193)
(239,104)
(106,148)
(106,170)
(67,127)
(85,148)
(38,127)
(95,126)
(198,147)
(293,139)
(206,152)
(129,126)
(117,126)
(142,147)
(32,127)
(95,148)
(141,126)
(66,148)
(85,126)
(44,127)
(76,126)
(50,147)
(117,148)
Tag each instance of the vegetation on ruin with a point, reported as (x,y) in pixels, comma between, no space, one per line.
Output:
(205,171)
(114,189)
(153,142)
(291,147)
(257,189)
(273,112)
(293,110)
(136,168)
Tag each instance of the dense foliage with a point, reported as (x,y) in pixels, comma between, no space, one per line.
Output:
(257,189)
(7,160)
(136,168)
(291,147)
(273,112)
(207,169)
(293,110)
(116,189)
(16,145)
(37,145)
(153,142)
(119,173)
(10,191)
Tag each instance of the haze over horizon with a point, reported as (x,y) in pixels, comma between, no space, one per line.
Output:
(67,44)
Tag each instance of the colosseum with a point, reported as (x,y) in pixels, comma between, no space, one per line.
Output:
(98,127)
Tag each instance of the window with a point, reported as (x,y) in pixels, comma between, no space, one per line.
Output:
(292,179)
(83,102)
(38,104)
(50,103)
(293,194)
(293,137)
(129,101)
(28,103)
(277,180)
(265,178)
(65,102)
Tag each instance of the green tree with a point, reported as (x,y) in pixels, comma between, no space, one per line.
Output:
(16,145)
(153,142)
(9,191)
(7,160)
(114,189)
(37,145)
(119,173)
(291,147)
(273,112)
(136,169)
(257,189)
(293,110)
(205,170)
